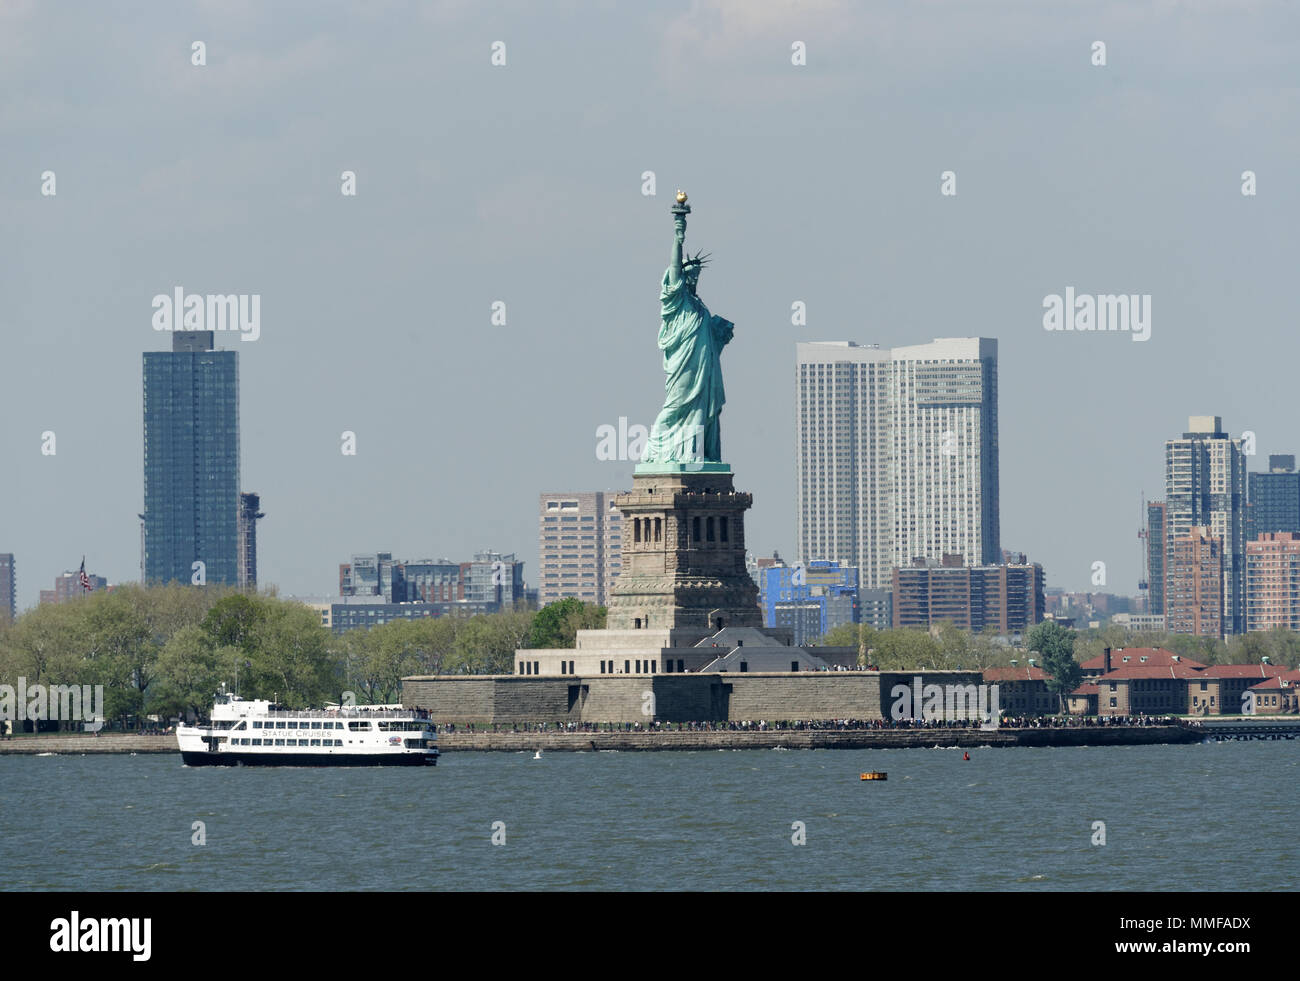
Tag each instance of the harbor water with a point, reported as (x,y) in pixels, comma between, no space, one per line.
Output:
(1178,818)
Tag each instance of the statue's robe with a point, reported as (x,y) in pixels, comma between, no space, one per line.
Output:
(692,340)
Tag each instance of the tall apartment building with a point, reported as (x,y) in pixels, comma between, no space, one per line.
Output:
(1273,581)
(191,461)
(494,578)
(8,588)
(1205,487)
(580,544)
(1194,587)
(249,513)
(370,575)
(1007,598)
(1274,498)
(427,581)
(897,454)
(1156,558)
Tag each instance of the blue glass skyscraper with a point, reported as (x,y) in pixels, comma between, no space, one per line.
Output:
(191,461)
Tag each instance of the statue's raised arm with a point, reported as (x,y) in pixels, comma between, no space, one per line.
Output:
(679,238)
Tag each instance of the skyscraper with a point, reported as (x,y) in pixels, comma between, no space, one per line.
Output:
(1156,557)
(1194,597)
(580,544)
(8,588)
(1274,498)
(249,513)
(1205,486)
(897,454)
(191,461)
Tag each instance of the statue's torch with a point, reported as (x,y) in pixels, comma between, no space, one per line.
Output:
(680,210)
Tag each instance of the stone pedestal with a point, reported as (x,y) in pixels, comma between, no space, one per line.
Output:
(683,555)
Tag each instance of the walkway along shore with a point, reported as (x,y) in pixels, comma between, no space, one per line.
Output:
(452,742)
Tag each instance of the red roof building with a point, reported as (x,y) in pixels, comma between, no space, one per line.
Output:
(1110,659)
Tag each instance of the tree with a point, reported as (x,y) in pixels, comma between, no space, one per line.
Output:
(47,645)
(905,649)
(232,619)
(292,656)
(378,659)
(486,644)
(190,671)
(557,624)
(1056,644)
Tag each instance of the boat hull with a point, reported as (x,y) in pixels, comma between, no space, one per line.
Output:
(308,759)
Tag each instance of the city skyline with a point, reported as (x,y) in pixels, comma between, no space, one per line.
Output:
(376,309)
(1276,464)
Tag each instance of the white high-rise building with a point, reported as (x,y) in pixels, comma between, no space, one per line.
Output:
(1205,485)
(897,454)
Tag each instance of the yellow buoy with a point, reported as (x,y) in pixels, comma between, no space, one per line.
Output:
(875,775)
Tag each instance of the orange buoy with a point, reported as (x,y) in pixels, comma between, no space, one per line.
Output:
(875,775)
(965,756)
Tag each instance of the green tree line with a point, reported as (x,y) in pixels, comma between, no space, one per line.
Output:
(166,650)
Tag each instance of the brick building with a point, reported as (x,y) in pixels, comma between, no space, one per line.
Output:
(1008,598)
(1194,585)
(1273,581)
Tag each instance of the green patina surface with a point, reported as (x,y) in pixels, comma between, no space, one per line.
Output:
(695,466)
(687,429)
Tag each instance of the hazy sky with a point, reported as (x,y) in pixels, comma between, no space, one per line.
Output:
(523,183)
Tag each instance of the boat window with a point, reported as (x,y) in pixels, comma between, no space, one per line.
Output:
(315,725)
(279,742)
(315,742)
(242,725)
(257,725)
(359,726)
(280,725)
(257,742)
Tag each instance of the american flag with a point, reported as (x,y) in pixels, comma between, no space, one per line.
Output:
(82,577)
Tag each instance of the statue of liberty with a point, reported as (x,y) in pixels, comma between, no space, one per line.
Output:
(692,340)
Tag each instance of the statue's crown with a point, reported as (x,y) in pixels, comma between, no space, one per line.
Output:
(699,259)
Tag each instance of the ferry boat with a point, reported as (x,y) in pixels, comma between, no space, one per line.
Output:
(256,732)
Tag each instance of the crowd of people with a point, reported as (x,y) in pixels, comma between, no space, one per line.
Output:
(815,725)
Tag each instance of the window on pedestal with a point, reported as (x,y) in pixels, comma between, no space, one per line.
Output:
(695,529)
(658,529)
(710,528)
(722,529)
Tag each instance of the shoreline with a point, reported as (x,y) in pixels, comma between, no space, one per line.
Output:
(683,740)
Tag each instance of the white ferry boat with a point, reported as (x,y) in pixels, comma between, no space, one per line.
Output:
(257,733)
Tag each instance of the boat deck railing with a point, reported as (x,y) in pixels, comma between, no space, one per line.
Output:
(345,713)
